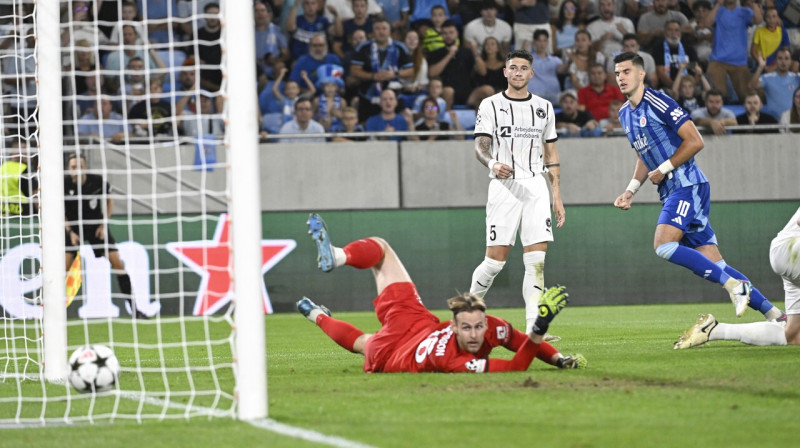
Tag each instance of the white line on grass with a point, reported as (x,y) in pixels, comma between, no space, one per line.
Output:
(265,423)
(305,434)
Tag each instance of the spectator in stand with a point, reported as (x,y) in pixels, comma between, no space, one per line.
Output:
(302,123)
(435,88)
(729,56)
(630,43)
(200,124)
(291,93)
(83,64)
(596,97)
(769,38)
(488,25)
(423,10)
(134,82)
(379,64)
(792,116)
(566,25)
(431,31)
(415,85)
(489,70)
(186,83)
(608,30)
(158,14)
(430,122)
(468,10)
(272,49)
(670,53)
(546,68)
(308,24)
(116,60)
(611,126)
(81,25)
(103,122)
(702,31)
(529,16)
(688,95)
(754,116)
(396,12)
(151,118)
(777,84)
(351,82)
(211,52)
(580,58)
(345,10)
(572,122)
(130,16)
(388,120)
(329,103)
(713,115)
(455,65)
(349,123)
(309,63)
(651,24)
(87,99)
(192,10)
(360,21)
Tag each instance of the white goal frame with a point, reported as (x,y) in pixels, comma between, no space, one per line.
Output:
(244,202)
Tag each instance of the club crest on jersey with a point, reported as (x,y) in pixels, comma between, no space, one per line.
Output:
(93,203)
(540,113)
(643,121)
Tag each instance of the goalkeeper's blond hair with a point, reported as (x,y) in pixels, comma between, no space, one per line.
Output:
(465,302)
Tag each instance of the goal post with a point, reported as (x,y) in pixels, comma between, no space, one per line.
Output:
(169,259)
(51,150)
(242,141)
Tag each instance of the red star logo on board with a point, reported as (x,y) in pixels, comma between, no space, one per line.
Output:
(211,260)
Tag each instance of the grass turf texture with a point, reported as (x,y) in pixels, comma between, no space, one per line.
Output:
(638,391)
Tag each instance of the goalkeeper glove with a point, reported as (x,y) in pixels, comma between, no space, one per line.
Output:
(550,304)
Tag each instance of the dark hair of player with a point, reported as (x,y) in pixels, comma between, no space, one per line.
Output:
(630,56)
(522,54)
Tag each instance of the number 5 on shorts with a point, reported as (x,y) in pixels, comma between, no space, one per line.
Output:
(492,233)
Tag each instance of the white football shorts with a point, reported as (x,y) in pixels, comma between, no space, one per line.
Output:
(518,205)
(784,256)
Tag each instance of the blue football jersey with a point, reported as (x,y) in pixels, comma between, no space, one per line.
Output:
(652,128)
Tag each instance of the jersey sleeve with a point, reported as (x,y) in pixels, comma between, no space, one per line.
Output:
(484,120)
(550,134)
(668,110)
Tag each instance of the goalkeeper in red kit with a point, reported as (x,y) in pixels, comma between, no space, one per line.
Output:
(411,338)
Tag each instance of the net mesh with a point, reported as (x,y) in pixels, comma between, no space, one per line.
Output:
(145,116)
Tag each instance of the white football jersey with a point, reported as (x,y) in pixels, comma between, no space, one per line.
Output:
(519,128)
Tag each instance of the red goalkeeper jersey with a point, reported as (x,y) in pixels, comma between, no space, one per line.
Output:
(435,349)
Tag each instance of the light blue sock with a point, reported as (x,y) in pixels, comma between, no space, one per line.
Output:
(693,260)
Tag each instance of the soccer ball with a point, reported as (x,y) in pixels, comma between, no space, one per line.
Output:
(93,368)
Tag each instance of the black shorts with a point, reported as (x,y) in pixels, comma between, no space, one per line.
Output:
(99,246)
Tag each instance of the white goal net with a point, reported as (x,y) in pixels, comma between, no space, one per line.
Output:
(117,199)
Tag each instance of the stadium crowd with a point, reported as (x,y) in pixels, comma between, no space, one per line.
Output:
(152,67)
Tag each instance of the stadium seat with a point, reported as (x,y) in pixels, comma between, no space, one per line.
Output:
(467,118)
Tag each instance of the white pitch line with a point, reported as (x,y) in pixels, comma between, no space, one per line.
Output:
(264,423)
(305,434)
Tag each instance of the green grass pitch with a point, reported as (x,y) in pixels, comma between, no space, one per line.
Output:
(637,392)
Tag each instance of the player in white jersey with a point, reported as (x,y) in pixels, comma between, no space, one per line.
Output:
(784,256)
(515,138)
